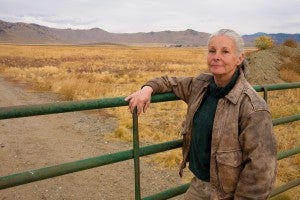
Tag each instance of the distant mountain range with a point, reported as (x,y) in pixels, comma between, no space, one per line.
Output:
(24,33)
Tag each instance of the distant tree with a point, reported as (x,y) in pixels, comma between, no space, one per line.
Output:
(264,42)
(290,43)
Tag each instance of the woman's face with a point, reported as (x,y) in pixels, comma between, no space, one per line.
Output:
(222,58)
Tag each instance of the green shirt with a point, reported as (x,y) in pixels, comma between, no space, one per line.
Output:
(202,128)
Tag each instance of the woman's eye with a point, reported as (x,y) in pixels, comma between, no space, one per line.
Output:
(225,51)
(211,51)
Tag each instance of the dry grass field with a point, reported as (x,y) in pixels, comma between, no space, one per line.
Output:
(90,72)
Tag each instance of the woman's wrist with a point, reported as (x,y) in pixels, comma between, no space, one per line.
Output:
(148,89)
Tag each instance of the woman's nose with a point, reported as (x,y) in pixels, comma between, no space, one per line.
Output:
(217,56)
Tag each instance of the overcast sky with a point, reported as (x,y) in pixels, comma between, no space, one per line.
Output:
(130,16)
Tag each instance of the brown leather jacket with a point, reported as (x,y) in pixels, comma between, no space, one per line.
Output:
(243,149)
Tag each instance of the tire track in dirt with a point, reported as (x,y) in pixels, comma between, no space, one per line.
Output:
(36,142)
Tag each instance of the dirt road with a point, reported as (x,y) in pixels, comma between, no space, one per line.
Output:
(36,142)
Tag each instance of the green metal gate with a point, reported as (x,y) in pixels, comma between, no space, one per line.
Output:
(135,153)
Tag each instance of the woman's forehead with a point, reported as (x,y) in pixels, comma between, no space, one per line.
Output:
(221,41)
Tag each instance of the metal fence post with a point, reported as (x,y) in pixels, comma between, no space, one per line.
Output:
(265,89)
(136,155)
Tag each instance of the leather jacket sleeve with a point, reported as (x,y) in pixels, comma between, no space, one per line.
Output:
(181,86)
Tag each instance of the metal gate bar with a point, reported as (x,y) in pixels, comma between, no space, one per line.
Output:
(89,163)
(62,107)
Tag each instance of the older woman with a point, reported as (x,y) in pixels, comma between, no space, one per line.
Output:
(227,135)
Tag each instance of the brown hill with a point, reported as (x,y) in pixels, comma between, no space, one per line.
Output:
(23,33)
(35,34)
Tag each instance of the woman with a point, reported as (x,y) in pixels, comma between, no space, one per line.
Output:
(227,135)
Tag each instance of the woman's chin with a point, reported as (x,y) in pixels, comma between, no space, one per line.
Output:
(216,72)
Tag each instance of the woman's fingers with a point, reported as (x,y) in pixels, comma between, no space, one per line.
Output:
(140,105)
(140,108)
(132,104)
(146,106)
(140,100)
(128,97)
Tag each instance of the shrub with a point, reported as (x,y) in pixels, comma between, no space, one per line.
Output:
(290,43)
(264,42)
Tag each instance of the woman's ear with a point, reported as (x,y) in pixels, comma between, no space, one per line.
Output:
(240,59)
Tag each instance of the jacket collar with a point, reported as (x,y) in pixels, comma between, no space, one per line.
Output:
(238,89)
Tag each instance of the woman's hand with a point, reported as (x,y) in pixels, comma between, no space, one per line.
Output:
(140,99)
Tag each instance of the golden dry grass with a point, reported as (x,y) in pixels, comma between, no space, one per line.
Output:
(90,72)
(290,68)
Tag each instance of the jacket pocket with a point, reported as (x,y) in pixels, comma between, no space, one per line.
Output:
(229,166)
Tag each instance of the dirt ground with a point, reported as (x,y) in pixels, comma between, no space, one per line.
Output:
(36,142)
